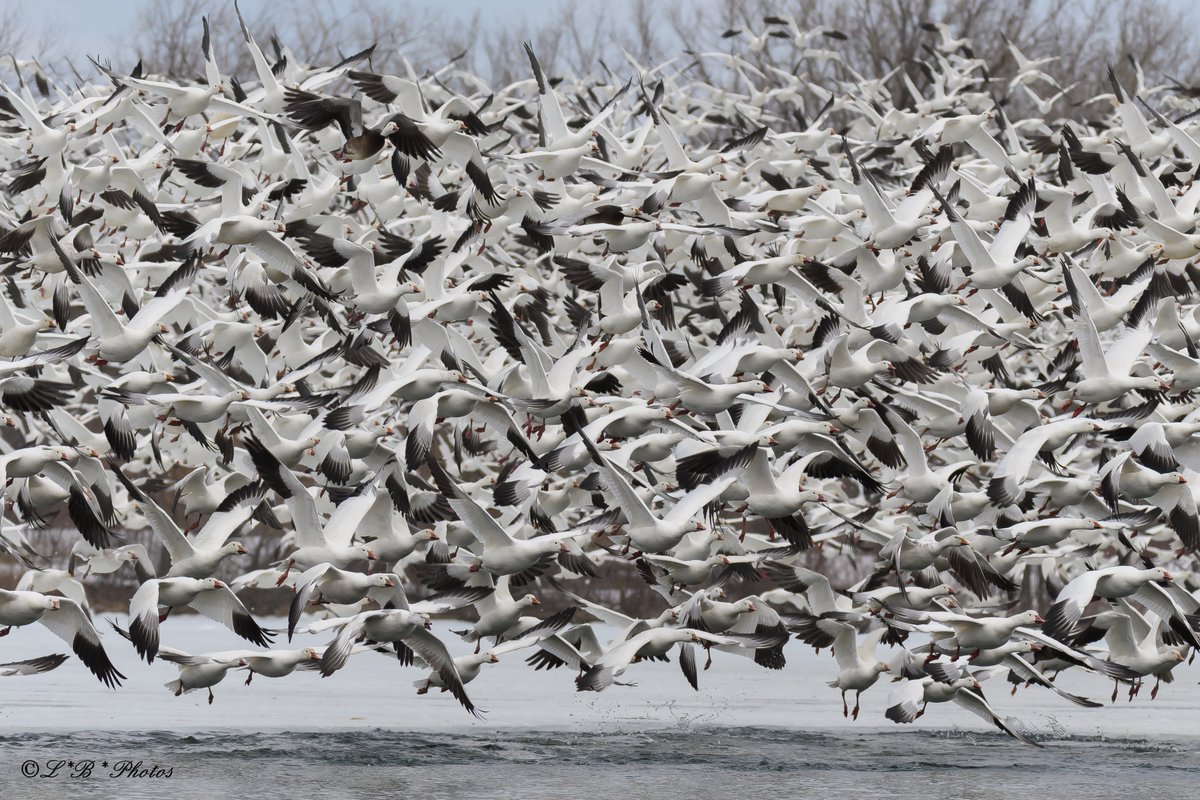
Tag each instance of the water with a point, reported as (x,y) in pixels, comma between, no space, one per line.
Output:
(364,731)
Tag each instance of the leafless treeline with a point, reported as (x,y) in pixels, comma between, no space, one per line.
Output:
(867,38)
(623,587)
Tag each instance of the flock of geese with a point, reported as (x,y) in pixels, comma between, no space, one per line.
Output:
(487,344)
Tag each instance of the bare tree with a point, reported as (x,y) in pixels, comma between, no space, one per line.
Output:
(869,38)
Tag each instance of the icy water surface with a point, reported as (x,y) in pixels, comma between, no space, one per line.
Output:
(748,733)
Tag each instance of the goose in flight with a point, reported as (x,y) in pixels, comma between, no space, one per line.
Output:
(405,629)
(211,597)
(67,620)
(32,666)
(910,698)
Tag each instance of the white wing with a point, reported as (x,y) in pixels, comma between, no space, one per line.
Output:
(69,623)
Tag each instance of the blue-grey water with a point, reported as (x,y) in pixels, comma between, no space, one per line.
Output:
(748,732)
(697,762)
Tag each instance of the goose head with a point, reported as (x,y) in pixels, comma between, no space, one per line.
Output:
(1158,575)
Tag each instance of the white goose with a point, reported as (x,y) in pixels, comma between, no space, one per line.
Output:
(908,700)
(860,669)
(209,596)
(657,642)
(400,627)
(318,543)
(201,555)
(501,553)
(67,620)
(646,531)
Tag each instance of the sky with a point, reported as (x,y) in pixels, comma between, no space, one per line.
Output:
(99,27)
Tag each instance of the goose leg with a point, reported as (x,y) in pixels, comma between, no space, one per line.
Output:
(1154,691)
(249,677)
(857,701)
(210,696)
(845,708)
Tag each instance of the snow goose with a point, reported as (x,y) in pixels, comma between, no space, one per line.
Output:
(201,555)
(325,583)
(104,562)
(1046,532)
(118,342)
(1141,139)
(656,643)
(904,552)
(186,101)
(280,663)
(318,543)
(670,573)
(469,666)
(32,666)
(501,553)
(997,267)
(644,530)
(918,598)
(909,699)
(260,236)
(201,491)
(553,123)
(1122,477)
(402,627)
(44,140)
(89,496)
(707,611)
(389,536)
(199,671)
(202,671)
(955,633)
(920,484)
(209,596)
(1029,70)
(67,620)
(499,612)
(1111,583)
(702,397)
(45,581)
(859,668)
(889,229)
(577,648)
(1108,374)
(847,369)
(1004,488)
(19,332)
(1013,655)
(627,624)
(1138,651)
